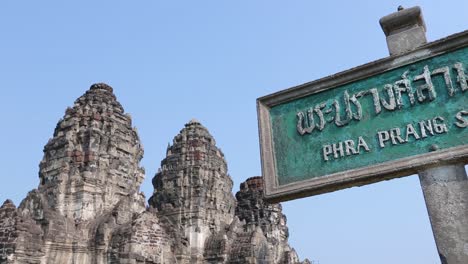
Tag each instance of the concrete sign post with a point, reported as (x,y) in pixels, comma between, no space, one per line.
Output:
(445,187)
(445,190)
(404,114)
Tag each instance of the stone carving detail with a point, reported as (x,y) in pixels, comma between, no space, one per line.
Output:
(20,237)
(193,193)
(88,208)
(265,218)
(88,195)
(93,159)
(192,189)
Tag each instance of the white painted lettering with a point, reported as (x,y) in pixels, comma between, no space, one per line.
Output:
(462,78)
(362,143)
(426,125)
(462,122)
(448,81)
(410,89)
(349,147)
(403,86)
(327,150)
(338,150)
(391,104)
(440,127)
(396,134)
(427,86)
(410,131)
(383,136)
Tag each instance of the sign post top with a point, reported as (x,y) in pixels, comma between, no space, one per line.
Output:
(405,30)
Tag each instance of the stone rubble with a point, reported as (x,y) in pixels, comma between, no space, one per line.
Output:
(88,208)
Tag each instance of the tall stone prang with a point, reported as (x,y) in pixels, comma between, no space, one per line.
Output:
(192,190)
(87,208)
(93,159)
(193,195)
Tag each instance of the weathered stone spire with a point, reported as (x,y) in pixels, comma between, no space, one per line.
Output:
(257,213)
(258,233)
(93,158)
(193,189)
(87,208)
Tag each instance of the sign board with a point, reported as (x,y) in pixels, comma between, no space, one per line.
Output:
(382,120)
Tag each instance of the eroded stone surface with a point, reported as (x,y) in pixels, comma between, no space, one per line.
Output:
(88,193)
(88,208)
(93,159)
(193,190)
(268,218)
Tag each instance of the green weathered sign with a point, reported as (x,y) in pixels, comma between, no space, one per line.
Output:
(381,120)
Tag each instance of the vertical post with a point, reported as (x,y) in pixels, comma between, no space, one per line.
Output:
(445,187)
(445,190)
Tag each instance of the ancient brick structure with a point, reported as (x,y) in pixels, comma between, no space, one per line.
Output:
(252,209)
(192,189)
(88,208)
(93,159)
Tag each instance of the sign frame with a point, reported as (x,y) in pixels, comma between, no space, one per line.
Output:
(273,192)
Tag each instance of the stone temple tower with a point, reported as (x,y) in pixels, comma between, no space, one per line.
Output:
(192,190)
(93,158)
(87,207)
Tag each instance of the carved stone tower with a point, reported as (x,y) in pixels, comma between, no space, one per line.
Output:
(193,189)
(93,158)
(87,208)
(256,212)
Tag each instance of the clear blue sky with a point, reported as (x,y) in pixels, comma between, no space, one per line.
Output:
(173,61)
